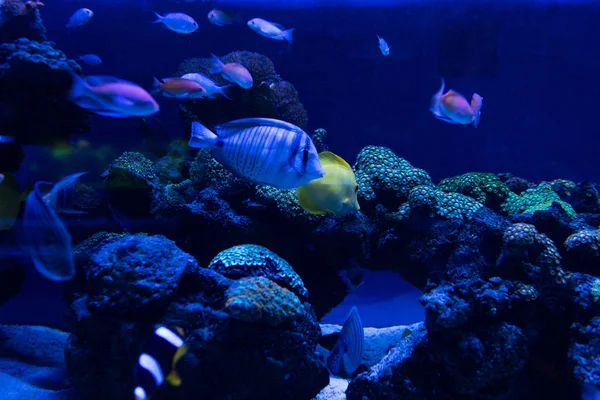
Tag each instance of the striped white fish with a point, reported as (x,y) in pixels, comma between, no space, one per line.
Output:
(263,150)
(348,351)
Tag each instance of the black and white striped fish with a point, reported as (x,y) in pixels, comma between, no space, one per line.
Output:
(158,361)
(262,150)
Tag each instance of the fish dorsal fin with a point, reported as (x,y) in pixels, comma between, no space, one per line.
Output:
(279,26)
(451,93)
(306,201)
(329,158)
(234,127)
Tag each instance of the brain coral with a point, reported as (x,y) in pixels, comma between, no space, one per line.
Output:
(252,260)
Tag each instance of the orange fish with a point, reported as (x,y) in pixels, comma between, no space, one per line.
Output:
(233,72)
(177,87)
(454,108)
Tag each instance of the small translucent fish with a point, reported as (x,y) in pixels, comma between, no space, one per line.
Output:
(112,97)
(61,197)
(212,89)
(262,150)
(383,46)
(80,18)
(347,353)
(353,277)
(233,72)
(158,362)
(270,30)
(177,87)
(220,18)
(90,59)
(335,193)
(177,22)
(45,237)
(454,108)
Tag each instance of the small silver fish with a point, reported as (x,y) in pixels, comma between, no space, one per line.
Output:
(383,46)
(177,22)
(112,97)
(270,30)
(262,150)
(212,89)
(90,59)
(347,353)
(80,18)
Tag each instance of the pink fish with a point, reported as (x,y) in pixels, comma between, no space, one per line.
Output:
(233,72)
(454,108)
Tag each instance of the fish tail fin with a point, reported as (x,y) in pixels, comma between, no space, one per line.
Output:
(223,91)
(155,86)
(436,99)
(158,17)
(476,104)
(202,137)
(287,34)
(173,378)
(78,86)
(216,66)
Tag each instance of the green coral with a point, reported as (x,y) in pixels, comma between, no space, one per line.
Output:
(486,188)
(205,171)
(131,170)
(442,204)
(258,299)
(286,204)
(596,290)
(536,199)
(318,138)
(385,178)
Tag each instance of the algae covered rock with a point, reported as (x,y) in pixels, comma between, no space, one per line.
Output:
(246,336)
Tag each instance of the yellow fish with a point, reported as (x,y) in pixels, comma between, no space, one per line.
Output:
(11,198)
(335,192)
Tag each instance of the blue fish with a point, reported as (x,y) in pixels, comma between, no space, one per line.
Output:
(383,46)
(45,237)
(262,150)
(90,59)
(347,353)
(80,18)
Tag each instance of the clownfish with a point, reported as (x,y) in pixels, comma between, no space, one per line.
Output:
(158,362)
(452,107)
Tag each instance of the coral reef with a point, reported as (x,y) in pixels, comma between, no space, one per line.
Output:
(247,337)
(503,264)
(34,79)
(21,19)
(270,97)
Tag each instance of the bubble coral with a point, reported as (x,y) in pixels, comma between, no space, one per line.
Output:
(251,260)
(535,199)
(486,188)
(270,96)
(386,179)
(258,299)
(442,204)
